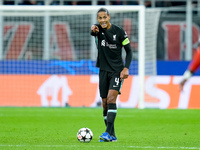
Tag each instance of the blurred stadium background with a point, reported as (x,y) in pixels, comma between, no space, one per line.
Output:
(47,57)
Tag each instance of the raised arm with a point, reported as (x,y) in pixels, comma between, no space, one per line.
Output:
(94,30)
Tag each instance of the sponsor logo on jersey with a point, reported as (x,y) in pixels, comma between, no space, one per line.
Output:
(114,37)
(111,46)
(103,43)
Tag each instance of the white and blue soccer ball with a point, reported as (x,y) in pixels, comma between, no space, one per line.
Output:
(84,135)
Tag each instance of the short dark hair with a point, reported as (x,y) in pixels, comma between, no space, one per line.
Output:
(103,10)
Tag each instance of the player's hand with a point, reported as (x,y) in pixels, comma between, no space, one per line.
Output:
(124,73)
(94,29)
(181,85)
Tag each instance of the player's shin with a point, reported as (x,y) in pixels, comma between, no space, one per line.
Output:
(113,131)
(112,112)
(105,111)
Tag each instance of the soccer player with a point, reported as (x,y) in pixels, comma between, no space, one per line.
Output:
(193,66)
(110,39)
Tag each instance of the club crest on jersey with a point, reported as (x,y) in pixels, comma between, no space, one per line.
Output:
(114,37)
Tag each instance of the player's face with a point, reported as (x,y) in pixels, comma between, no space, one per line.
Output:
(104,20)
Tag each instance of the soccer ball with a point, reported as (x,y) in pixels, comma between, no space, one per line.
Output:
(84,135)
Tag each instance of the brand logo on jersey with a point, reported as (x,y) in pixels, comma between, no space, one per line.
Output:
(125,35)
(115,85)
(114,37)
(103,43)
(102,33)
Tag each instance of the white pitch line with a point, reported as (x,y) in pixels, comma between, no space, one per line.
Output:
(151,147)
(141,147)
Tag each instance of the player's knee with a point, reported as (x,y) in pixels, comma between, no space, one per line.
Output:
(111,99)
(104,103)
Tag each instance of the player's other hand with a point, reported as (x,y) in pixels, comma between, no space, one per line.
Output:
(124,73)
(181,85)
(94,29)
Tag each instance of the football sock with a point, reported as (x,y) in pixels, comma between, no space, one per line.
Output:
(113,131)
(112,112)
(105,111)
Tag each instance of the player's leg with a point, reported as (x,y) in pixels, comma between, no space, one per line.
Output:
(103,89)
(109,135)
(112,111)
(114,90)
(111,114)
(114,83)
(105,109)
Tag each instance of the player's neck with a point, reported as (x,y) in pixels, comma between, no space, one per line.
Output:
(108,27)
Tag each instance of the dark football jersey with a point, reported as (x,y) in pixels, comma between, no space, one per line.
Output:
(109,44)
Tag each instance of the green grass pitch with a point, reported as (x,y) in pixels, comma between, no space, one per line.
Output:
(56,129)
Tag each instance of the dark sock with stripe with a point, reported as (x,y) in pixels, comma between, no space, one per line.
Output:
(112,112)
